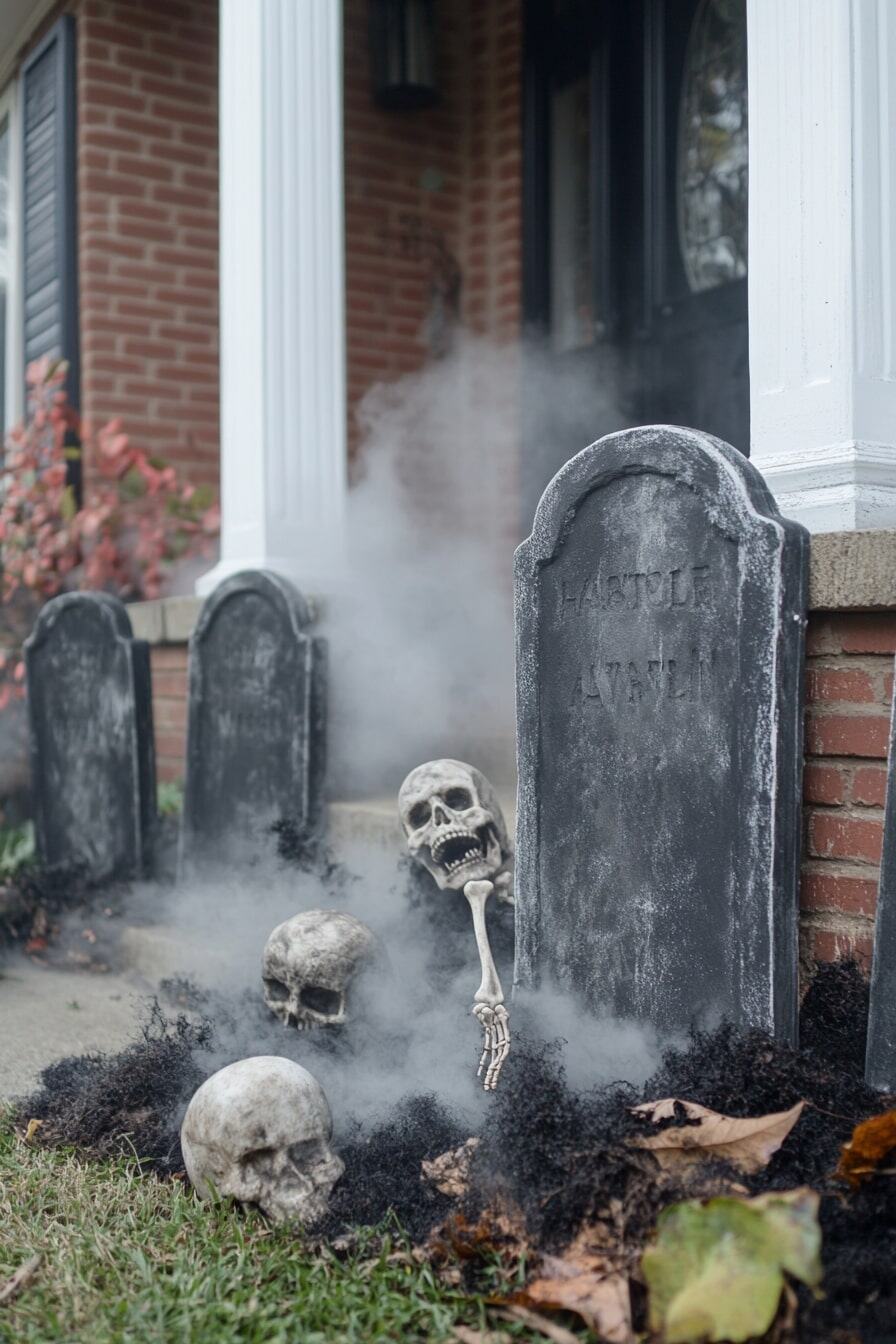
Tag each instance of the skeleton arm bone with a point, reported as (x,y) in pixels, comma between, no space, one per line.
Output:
(488,1001)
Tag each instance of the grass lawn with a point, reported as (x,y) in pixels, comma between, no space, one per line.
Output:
(129,1259)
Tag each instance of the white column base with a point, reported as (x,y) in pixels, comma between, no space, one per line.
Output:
(840,487)
(822,91)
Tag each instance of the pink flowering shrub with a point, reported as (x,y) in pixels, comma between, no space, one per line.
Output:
(135,519)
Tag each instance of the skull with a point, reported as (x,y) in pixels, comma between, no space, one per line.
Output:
(309,962)
(454,824)
(259,1131)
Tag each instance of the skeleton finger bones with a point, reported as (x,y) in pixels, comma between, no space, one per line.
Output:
(488,1001)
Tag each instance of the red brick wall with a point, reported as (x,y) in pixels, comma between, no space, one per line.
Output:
(148,228)
(849,689)
(169,708)
(492,246)
(417,183)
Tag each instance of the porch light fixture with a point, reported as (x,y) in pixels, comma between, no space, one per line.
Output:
(402,53)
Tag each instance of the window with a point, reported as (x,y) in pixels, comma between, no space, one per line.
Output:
(712,148)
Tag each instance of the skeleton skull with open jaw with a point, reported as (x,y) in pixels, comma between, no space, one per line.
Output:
(453,823)
(259,1131)
(455,828)
(308,965)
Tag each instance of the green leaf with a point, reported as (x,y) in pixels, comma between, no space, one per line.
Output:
(169,798)
(132,486)
(716,1270)
(16,848)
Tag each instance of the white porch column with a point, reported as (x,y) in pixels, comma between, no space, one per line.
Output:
(822,275)
(283,398)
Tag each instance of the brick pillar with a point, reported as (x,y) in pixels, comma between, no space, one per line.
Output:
(849,690)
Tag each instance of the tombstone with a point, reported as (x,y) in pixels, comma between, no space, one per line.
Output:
(255,735)
(660,609)
(91,740)
(880,1057)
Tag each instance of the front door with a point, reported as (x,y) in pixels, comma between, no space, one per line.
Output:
(635,228)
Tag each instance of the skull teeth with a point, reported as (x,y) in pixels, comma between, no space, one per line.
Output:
(450,838)
(459,863)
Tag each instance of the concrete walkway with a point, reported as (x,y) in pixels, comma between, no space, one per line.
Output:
(46,1014)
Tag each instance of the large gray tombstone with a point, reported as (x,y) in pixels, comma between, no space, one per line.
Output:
(660,607)
(880,1059)
(255,736)
(90,729)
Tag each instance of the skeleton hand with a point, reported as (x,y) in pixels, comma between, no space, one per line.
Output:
(495,1023)
(488,1005)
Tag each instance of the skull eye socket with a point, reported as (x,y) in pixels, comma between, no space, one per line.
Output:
(419,815)
(458,799)
(320,1000)
(276,989)
(259,1158)
(304,1154)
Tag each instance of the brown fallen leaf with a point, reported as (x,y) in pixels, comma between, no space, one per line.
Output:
(747,1143)
(587,1281)
(550,1329)
(31,1130)
(21,1279)
(450,1172)
(600,1298)
(467,1335)
(871,1141)
(498,1231)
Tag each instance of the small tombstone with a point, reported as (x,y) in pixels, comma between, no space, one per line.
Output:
(255,736)
(660,607)
(880,1058)
(91,740)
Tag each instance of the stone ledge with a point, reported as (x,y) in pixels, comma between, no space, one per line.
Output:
(853,571)
(167,620)
(848,571)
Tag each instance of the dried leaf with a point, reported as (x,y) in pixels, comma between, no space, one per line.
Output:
(499,1230)
(716,1270)
(31,1130)
(467,1335)
(748,1143)
(558,1333)
(450,1172)
(588,1286)
(871,1141)
(21,1279)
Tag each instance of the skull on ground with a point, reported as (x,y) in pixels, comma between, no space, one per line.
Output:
(308,965)
(453,823)
(259,1132)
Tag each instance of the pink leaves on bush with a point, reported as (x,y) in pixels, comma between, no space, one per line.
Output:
(135,519)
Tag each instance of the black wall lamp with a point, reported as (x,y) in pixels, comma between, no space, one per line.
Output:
(403,53)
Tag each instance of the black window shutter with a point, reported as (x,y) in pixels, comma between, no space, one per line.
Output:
(49,235)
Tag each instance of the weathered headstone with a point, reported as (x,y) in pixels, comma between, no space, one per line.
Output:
(91,740)
(660,606)
(255,736)
(880,1058)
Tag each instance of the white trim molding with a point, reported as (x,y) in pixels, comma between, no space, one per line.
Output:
(822,274)
(283,383)
(14,373)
